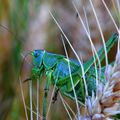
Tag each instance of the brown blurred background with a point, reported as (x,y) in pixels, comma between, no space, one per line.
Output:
(27,25)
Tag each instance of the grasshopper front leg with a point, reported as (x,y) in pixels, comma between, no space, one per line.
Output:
(47,85)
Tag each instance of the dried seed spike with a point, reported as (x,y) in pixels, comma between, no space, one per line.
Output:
(106,86)
(99,90)
(108,72)
(96,107)
(98,117)
(111,110)
(116,76)
(89,105)
(93,96)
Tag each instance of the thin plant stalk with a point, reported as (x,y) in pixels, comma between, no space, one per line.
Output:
(68,106)
(101,33)
(30,92)
(38,92)
(39,116)
(23,98)
(83,73)
(65,107)
(86,20)
(92,45)
(116,9)
(78,110)
(87,26)
(112,21)
(110,15)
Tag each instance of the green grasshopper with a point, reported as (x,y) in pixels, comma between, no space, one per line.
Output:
(55,67)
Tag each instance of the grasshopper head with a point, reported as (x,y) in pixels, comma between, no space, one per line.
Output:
(37,57)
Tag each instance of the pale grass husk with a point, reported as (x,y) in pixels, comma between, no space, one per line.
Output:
(104,104)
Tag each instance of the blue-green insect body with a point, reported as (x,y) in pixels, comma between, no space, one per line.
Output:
(57,72)
(57,64)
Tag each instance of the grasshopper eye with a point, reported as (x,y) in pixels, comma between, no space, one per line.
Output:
(36,53)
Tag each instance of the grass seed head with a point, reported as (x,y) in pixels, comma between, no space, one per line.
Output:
(104,104)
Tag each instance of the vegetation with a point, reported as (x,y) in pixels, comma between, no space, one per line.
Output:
(76,30)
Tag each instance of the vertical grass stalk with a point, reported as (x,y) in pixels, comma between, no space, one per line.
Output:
(30,90)
(38,89)
(92,45)
(71,77)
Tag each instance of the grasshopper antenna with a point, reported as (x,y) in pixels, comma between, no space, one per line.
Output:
(24,58)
